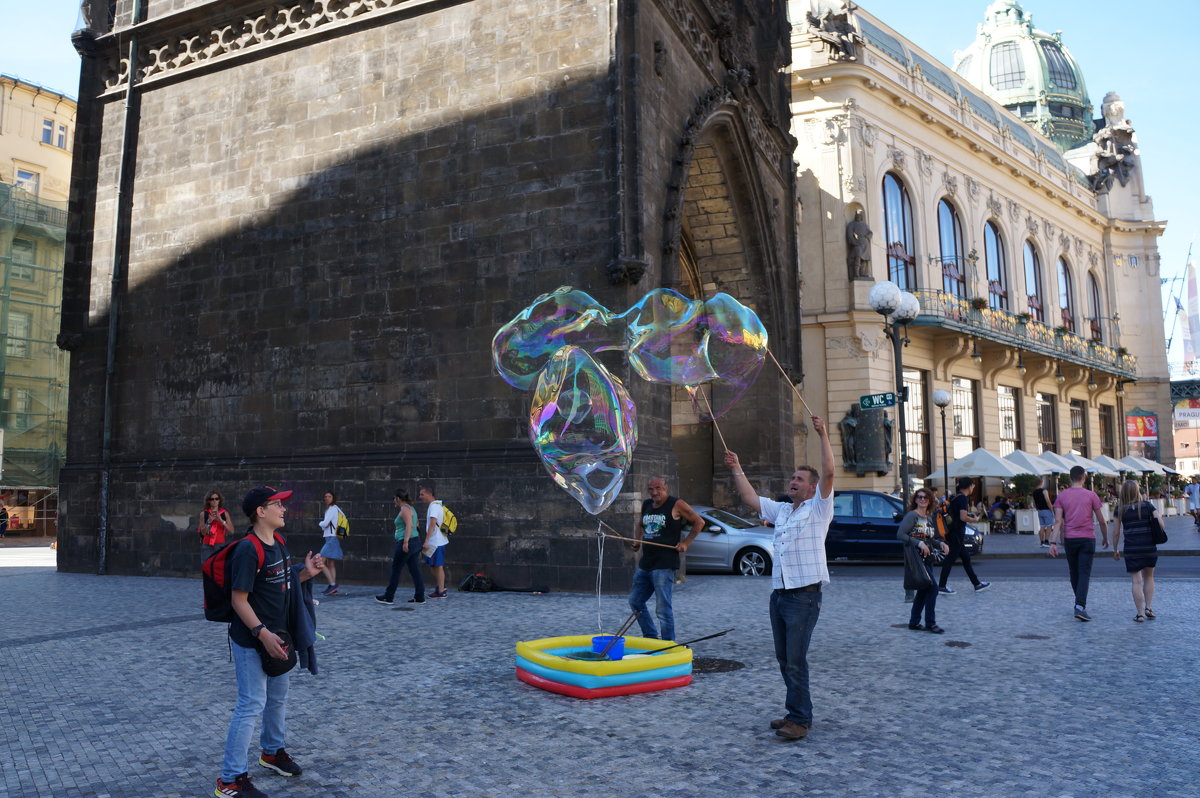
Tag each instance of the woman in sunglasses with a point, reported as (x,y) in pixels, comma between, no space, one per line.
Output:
(919,528)
(215,525)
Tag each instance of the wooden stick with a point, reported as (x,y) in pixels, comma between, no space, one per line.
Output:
(700,390)
(789,382)
(635,540)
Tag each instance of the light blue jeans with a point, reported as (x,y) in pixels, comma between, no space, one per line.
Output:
(658,583)
(258,694)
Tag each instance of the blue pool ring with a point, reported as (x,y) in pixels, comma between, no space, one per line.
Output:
(593,682)
(602,692)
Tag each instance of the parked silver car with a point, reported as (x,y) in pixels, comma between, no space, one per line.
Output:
(730,543)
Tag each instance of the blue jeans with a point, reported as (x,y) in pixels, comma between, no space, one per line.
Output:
(659,583)
(793,616)
(925,600)
(1080,553)
(412,559)
(258,694)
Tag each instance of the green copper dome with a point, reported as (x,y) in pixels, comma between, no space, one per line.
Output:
(1029,72)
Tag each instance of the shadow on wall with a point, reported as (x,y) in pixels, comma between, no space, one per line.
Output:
(345,329)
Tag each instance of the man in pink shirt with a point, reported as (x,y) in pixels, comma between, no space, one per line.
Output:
(1074,510)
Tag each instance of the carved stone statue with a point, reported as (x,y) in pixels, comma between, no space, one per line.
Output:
(849,429)
(1113,109)
(1115,147)
(833,27)
(858,248)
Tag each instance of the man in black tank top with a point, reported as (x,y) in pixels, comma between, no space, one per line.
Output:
(661,522)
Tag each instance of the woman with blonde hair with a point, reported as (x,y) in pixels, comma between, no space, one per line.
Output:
(1135,517)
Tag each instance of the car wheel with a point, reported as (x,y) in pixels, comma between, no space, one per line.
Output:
(752,562)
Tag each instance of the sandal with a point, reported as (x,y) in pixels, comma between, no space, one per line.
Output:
(1139,618)
(1150,614)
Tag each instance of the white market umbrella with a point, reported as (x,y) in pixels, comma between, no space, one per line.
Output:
(1141,464)
(1091,466)
(1108,462)
(1064,465)
(979,463)
(1030,463)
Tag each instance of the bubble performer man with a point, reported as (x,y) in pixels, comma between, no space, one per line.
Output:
(661,522)
(799,572)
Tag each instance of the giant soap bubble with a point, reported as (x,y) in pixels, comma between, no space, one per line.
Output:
(583,426)
(582,422)
(564,316)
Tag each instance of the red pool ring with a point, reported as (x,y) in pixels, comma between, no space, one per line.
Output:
(601,692)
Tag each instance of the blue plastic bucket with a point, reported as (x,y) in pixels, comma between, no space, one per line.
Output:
(614,653)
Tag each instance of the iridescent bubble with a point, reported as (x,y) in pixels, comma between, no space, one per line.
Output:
(583,426)
(736,347)
(666,337)
(564,316)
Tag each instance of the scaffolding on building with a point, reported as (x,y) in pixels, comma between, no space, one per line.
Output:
(33,370)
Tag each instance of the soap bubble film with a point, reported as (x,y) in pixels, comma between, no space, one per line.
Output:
(583,426)
(582,421)
(564,316)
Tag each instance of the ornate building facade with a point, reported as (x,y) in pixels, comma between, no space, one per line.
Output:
(297,225)
(37,129)
(1025,233)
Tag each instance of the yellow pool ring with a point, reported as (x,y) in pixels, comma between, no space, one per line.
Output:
(535,651)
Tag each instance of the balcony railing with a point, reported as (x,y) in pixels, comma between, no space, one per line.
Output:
(940,309)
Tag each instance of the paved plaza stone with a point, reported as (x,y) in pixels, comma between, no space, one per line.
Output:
(117,686)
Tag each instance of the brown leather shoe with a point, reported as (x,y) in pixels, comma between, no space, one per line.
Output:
(778,723)
(792,731)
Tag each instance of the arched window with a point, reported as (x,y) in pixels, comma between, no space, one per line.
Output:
(1061,73)
(1066,297)
(997,269)
(1033,282)
(1007,69)
(954,272)
(897,219)
(1095,308)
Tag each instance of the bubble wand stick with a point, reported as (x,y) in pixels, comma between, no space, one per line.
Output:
(789,382)
(700,390)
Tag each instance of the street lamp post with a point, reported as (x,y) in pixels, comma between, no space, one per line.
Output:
(941,398)
(899,308)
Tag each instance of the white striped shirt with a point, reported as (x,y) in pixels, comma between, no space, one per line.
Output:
(799,539)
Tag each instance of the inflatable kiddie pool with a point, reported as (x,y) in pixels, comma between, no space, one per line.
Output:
(544,663)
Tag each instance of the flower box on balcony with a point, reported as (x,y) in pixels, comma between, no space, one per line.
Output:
(979,303)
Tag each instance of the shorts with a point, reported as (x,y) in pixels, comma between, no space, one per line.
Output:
(332,550)
(438,557)
(1045,517)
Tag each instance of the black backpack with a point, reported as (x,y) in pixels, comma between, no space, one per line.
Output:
(477,583)
(218,590)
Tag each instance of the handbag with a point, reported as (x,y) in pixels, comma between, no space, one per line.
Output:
(1157,533)
(916,576)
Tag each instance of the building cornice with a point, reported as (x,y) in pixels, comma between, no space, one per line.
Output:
(975,145)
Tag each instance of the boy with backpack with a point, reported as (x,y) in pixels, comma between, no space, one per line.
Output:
(259,581)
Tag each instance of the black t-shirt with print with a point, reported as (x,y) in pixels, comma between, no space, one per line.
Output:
(660,527)
(268,587)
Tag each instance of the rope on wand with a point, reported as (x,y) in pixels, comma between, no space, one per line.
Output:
(633,540)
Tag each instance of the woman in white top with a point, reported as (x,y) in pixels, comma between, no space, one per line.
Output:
(332,550)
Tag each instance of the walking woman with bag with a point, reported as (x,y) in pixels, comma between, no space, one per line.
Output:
(1137,518)
(918,532)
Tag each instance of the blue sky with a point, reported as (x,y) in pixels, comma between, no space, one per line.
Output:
(1147,58)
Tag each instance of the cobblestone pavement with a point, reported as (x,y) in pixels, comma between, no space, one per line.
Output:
(116,686)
